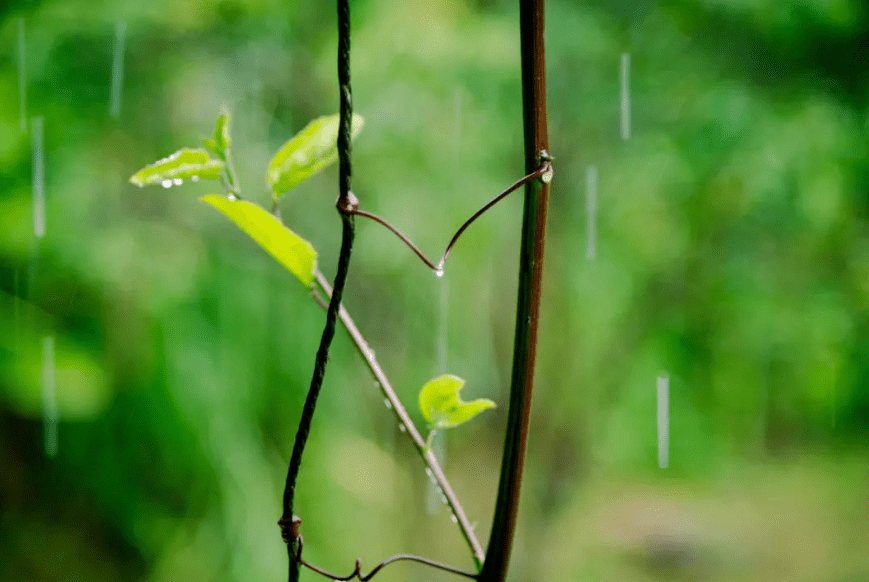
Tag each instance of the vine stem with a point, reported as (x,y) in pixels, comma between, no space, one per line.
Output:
(531,17)
(404,419)
(287,521)
(357,570)
(398,409)
(345,196)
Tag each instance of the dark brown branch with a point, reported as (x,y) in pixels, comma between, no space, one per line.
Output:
(528,302)
(347,231)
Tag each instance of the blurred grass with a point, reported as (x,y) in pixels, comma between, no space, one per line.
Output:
(733,255)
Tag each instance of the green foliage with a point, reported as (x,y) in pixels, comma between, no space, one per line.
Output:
(309,151)
(221,140)
(441,406)
(305,154)
(289,249)
(186,163)
(732,254)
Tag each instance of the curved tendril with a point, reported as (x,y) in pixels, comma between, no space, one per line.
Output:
(357,570)
(544,169)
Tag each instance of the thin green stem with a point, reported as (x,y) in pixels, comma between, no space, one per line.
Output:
(403,419)
(231,176)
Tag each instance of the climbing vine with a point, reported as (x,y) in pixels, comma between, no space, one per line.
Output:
(322,142)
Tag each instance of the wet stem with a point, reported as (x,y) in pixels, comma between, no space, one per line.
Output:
(531,19)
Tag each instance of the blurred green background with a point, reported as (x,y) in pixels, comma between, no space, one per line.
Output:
(732,255)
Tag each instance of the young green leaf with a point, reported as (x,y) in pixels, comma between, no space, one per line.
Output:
(184,164)
(308,152)
(289,249)
(441,406)
(221,131)
(211,145)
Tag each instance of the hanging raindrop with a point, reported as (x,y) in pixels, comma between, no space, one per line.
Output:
(37,140)
(442,331)
(663,390)
(49,402)
(626,96)
(22,76)
(117,69)
(591,213)
(438,446)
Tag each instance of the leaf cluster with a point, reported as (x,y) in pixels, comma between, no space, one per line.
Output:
(302,156)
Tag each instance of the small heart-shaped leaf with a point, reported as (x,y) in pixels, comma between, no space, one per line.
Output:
(308,152)
(184,164)
(289,249)
(441,405)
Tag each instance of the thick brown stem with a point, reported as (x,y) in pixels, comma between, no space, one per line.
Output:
(528,304)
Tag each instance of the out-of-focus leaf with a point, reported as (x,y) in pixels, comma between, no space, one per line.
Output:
(308,152)
(184,164)
(289,249)
(441,406)
(80,387)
